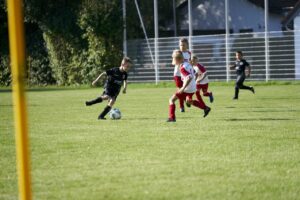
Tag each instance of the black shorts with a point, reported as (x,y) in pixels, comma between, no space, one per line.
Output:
(240,79)
(112,92)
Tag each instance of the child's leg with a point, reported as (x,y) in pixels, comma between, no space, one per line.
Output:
(107,108)
(181,104)
(172,106)
(199,102)
(207,93)
(179,83)
(94,101)
(205,90)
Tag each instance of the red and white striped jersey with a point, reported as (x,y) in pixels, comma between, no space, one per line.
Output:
(200,68)
(186,70)
(187,58)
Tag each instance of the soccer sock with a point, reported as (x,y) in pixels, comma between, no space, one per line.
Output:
(199,104)
(94,101)
(236,94)
(181,103)
(198,96)
(207,94)
(104,112)
(172,111)
(244,87)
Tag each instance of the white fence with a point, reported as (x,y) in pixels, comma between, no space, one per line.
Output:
(284,56)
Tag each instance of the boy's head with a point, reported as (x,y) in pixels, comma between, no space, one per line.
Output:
(126,64)
(177,57)
(183,44)
(238,55)
(194,60)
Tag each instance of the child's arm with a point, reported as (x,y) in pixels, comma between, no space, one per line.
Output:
(125,86)
(248,72)
(201,76)
(186,82)
(232,66)
(95,81)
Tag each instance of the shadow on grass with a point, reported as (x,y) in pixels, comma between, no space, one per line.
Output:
(274,111)
(259,119)
(41,89)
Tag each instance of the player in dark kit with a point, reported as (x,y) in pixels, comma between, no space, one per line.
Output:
(240,66)
(115,78)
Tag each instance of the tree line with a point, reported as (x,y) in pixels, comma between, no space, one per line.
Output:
(68,42)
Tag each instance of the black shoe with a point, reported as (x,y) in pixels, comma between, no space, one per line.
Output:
(235,98)
(182,110)
(171,120)
(252,89)
(187,104)
(101,118)
(88,103)
(206,111)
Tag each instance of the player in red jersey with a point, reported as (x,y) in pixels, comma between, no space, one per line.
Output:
(183,45)
(201,80)
(188,88)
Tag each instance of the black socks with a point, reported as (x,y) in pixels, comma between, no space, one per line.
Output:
(97,100)
(104,112)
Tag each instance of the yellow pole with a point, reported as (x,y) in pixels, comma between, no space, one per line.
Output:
(17,57)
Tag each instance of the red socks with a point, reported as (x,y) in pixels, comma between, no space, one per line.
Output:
(172,111)
(199,104)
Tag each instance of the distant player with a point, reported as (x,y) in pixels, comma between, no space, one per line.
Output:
(115,78)
(183,45)
(201,80)
(188,88)
(240,66)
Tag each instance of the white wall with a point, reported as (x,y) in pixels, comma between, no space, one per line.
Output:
(209,14)
(297,47)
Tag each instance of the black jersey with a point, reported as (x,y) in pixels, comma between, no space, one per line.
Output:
(240,66)
(115,77)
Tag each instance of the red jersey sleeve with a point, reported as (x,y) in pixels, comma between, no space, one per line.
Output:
(183,71)
(201,68)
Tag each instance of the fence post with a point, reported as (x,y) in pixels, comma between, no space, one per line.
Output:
(227,41)
(190,16)
(124,29)
(267,40)
(156,42)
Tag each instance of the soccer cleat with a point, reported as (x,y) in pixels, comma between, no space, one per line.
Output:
(187,104)
(206,111)
(87,103)
(252,89)
(235,98)
(101,118)
(182,110)
(211,98)
(171,120)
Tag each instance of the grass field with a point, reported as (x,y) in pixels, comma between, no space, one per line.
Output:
(245,149)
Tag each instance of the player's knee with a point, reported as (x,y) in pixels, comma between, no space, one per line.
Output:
(111,102)
(189,101)
(172,100)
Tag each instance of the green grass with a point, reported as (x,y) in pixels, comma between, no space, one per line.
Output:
(245,149)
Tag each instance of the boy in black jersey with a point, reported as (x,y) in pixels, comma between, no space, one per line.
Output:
(115,78)
(240,66)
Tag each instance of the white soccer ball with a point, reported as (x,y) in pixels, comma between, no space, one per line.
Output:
(115,113)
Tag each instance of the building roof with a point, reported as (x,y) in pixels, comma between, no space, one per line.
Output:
(277,6)
(291,15)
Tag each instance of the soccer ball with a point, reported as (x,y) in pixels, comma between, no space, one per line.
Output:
(115,113)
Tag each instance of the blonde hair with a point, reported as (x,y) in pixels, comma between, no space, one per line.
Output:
(177,54)
(194,57)
(126,60)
